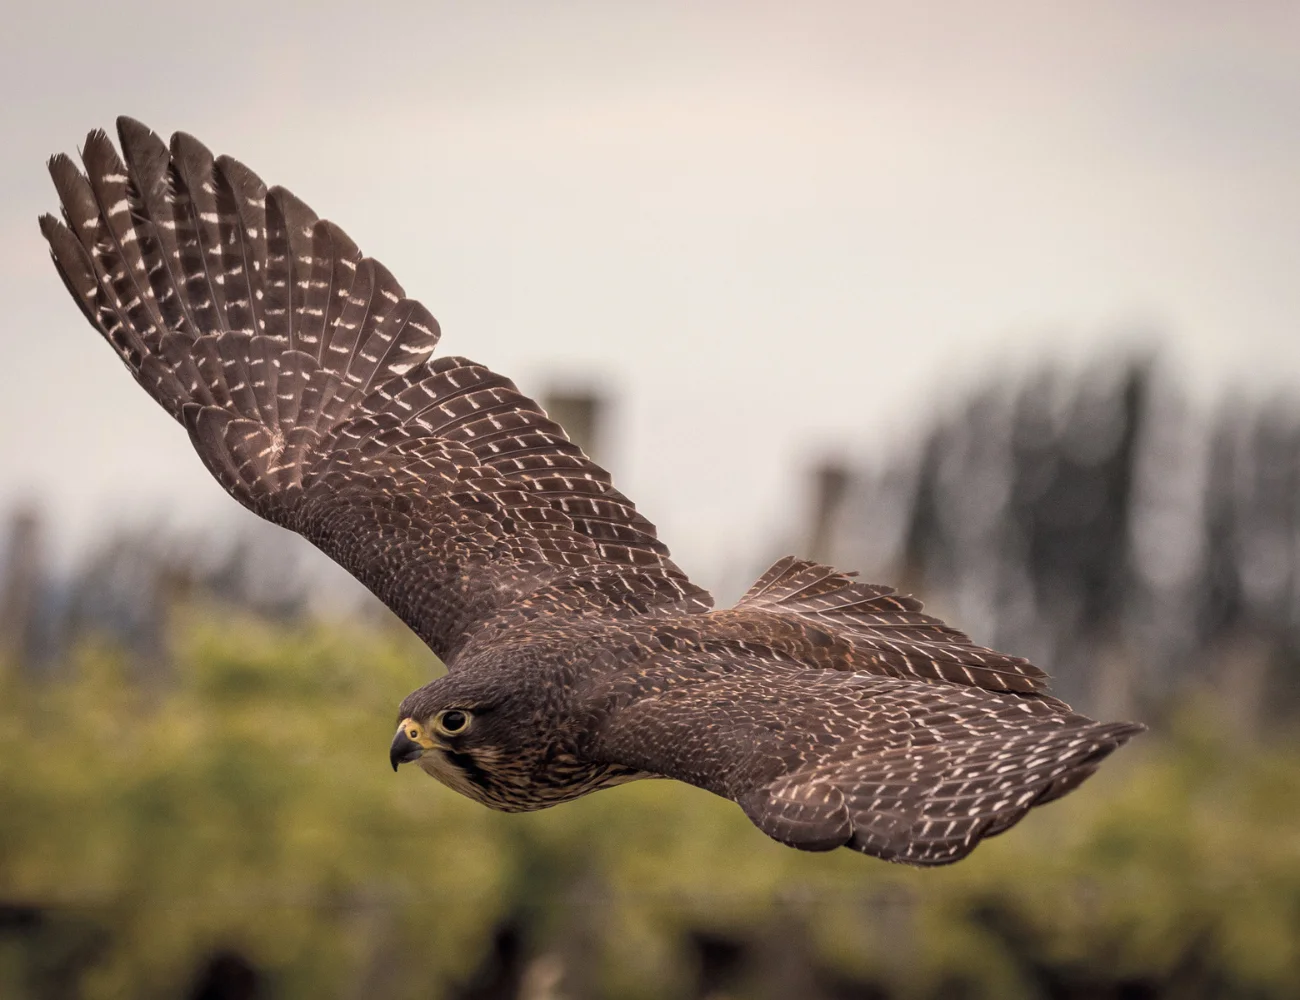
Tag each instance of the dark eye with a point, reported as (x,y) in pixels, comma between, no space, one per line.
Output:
(453,721)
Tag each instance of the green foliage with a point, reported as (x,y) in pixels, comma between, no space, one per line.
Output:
(250,807)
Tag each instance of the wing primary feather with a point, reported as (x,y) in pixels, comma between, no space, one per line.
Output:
(121,256)
(148,161)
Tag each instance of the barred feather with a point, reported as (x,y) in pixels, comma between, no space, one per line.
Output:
(120,254)
(888,633)
(834,712)
(241,227)
(148,162)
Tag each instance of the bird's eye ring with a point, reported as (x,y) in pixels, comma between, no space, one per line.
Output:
(452,722)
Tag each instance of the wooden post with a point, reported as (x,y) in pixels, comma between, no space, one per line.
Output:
(20,592)
(830,487)
(582,415)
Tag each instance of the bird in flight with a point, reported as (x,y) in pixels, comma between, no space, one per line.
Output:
(578,655)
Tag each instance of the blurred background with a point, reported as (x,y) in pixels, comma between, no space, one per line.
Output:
(995,302)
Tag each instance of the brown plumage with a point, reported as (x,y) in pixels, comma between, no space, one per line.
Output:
(579,656)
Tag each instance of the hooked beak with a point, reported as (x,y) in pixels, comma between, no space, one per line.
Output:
(404,749)
(409,744)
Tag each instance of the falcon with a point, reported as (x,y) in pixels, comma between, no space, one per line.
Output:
(578,655)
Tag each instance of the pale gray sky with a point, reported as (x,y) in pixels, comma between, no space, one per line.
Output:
(772,229)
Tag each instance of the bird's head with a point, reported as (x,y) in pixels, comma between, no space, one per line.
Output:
(466,737)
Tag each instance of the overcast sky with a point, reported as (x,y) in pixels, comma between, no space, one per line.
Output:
(772,230)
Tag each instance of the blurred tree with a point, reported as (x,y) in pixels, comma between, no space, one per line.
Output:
(1088,523)
(240,831)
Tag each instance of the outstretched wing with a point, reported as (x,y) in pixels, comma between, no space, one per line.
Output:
(904,770)
(305,378)
(876,630)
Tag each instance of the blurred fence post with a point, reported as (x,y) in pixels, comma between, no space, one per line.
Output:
(21,591)
(830,488)
(578,946)
(582,415)
(1114,679)
(1242,683)
(785,964)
